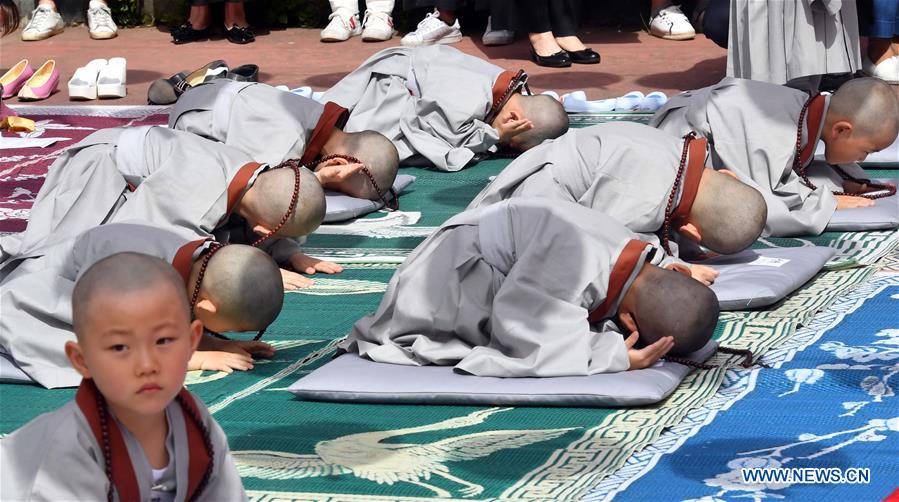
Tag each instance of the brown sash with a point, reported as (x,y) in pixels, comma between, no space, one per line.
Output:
(501,85)
(692,177)
(238,185)
(184,258)
(123,477)
(332,116)
(813,124)
(622,270)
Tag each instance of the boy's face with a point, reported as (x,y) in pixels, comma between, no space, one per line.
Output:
(847,146)
(135,347)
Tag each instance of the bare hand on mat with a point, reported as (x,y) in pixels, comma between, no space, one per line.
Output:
(252,348)
(848,202)
(213,360)
(309,265)
(293,280)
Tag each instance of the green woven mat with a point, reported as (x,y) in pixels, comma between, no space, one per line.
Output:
(287,449)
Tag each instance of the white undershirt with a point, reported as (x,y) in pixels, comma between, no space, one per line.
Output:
(157,494)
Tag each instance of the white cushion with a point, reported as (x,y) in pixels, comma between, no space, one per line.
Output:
(341,207)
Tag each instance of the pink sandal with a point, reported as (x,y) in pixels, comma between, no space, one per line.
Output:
(15,78)
(42,84)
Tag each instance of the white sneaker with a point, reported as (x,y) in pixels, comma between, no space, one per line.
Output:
(377,27)
(887,70)
(112,79)
(83,84)
(342,26)
(431,30)
(99,21)
(497,37)
(671,24)
(45,22)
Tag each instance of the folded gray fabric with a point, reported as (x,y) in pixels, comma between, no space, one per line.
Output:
(10,372)
(351,378)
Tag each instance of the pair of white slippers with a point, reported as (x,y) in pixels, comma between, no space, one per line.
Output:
(634,101)
(99,79)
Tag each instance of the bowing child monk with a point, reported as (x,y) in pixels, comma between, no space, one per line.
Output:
(231,288)
(133,432)
(654,183)
(766,134)
(535,288)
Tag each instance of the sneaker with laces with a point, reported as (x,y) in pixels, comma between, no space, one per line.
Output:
(377,27)
(99,21)
(671,24)
(343,25)
(497,37)
(432,30)
(45,22)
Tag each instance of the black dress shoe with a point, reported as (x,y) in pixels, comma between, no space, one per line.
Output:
(244,73)
(557,60)
(240,34)
(165,91)
(586,56)
(186,33)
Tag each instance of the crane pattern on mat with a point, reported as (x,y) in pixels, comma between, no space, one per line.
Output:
(365,456)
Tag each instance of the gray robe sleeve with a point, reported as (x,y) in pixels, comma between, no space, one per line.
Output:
(267,124)
(53,457)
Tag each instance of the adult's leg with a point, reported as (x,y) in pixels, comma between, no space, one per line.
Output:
(879,21)
(535,19)
(564,16)
(200,17)
(716,21)
(235,14)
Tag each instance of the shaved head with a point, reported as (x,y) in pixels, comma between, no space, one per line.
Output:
(730,214)
(273,191)
(245,285)
(380,157)
(870,104)
(125,273)
(549,118)
(668,303)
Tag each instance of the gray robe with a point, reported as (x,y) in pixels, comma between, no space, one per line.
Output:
(788,41)
(267,124)
(57,457)
(751,127)
(431,102)
(169,178)
(506,291)
(36,293)
(622,169)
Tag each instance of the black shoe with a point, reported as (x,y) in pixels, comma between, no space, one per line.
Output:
(165,91)
(586,56)
(557,60)
(240,34)
(244,73)
(186,33)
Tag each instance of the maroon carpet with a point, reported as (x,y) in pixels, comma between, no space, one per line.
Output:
(23,170)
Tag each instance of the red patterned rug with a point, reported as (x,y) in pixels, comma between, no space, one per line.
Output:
(23,170)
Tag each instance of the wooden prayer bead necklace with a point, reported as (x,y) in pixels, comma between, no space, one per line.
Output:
(295,165)
(669,209)
(107,449)
(392,205)
(800,169)
(746,353)
(195,297)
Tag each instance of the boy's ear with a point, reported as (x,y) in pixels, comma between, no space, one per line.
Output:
(729,173)
(76,357)
(261,229)
(842,127)
(513,115)
(207,305)
(690,231)
(196,333)
(680,267)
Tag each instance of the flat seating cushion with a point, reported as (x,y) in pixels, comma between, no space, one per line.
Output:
(351,378)
(760,277)
(883,215)
(10,371)
(342,207)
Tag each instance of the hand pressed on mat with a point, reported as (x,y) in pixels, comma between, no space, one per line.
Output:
(309,265)
(849,201)
(215,354)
